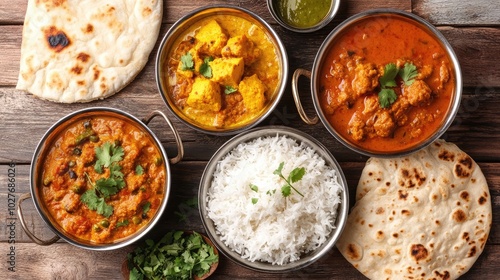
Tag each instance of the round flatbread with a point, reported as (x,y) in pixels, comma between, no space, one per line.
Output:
(82,50)
(423,216)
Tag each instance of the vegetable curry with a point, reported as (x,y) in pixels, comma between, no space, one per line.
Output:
(103,179)
(386,84)
(223,72)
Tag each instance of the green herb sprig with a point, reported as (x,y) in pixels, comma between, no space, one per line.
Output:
(108,156)
(387,96)
(205,68)
(295,175)
(187,62)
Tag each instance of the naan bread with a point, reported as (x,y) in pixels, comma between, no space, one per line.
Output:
(423,216)
(82,50)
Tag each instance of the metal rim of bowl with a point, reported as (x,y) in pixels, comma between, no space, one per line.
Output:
(324,48)
(320,149)
(37,163)
(204,12)
(334,7)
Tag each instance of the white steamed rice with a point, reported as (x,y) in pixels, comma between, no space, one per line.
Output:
(275,229)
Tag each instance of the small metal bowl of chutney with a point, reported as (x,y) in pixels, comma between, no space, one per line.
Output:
(303,16)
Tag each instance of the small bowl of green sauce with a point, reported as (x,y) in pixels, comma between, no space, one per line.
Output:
(303,15)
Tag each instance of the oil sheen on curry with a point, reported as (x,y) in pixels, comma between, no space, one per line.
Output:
(103,179)
(386,84)
(223,72)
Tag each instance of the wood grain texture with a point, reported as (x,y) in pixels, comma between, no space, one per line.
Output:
(465,13)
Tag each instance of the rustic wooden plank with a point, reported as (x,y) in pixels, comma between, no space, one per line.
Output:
(445,12)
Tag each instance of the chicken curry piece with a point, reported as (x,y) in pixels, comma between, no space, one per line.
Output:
(386,86)
(223,72)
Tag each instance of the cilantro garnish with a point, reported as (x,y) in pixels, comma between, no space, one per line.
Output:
(408,73)
(229,89)
(205,68)
(175,256)
(387,95)
(187,62)
(108,156)
(122,223)
(254,188)
(146,207)
(139,170)
(254,200)
(295,175)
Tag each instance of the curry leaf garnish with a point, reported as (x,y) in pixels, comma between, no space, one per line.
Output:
(408,73)
(205,68)
(175,256)
(187,62)
(229,89)
(295,175)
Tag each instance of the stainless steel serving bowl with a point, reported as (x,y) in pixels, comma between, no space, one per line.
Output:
(273,7)
(300,137)
(320,59)
(36,172)
(177,30)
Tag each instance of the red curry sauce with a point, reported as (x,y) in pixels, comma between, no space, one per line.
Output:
(349,84)
(130,188)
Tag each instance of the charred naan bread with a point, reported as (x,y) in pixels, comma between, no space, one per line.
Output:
(423,216)
(82,50)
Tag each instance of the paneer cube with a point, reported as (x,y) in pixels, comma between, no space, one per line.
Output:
(253,90)
(241,46)
(211,38)
(227,71)
(205,95)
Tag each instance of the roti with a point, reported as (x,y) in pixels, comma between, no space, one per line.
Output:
(423,216)
(78,51)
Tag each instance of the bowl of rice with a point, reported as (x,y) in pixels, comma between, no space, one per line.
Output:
(273,199)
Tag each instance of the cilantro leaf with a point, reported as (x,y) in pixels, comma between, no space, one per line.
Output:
(122,223)
(229,89)
(388,79)
(139,170)
(187,62)
(408,73)
(205,68)
(90,198)
(146,207)
(107,154)
(103,208)
(254,188)
(254,200)
(386,97)
(296,174)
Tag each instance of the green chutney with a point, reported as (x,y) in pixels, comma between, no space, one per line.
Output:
(303,13)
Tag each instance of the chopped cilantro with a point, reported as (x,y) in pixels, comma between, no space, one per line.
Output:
(388,79)
(146,207)
(387,96)
(255,200)
(254,188)
(187,62)
(295,175)
(122,223)
(175,256)
(229,89)
(205,68)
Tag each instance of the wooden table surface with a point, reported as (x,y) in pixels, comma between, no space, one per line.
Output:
(471,27)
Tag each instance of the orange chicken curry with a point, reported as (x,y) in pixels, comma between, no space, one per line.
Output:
(386,84)
(103,179)
(223,72)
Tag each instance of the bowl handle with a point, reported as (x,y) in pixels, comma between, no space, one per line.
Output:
(35,239)
(295,91)
(178,141)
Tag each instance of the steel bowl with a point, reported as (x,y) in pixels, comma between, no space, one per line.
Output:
(178,30)
(331,40)
(300,137)
(273,7)
(36,172)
